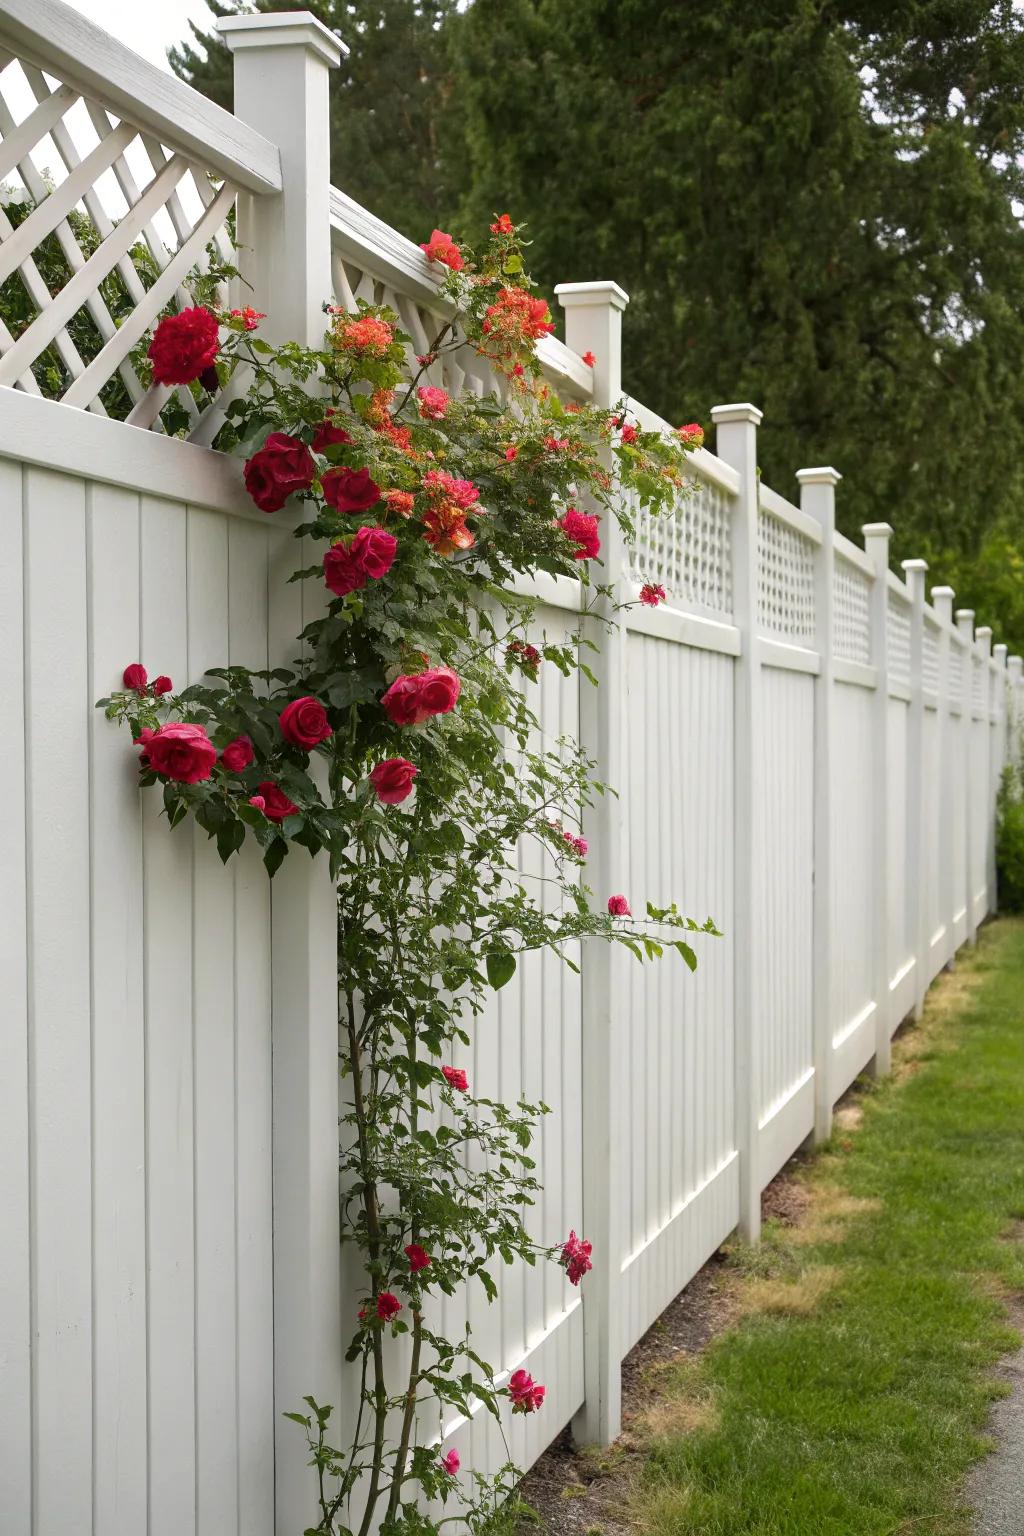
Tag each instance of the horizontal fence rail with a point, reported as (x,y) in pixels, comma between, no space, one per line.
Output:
(807,747)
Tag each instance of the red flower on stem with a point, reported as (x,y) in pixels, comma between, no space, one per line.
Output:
(367,556)
(581,531)
(276,804)
(418,1257)
(393,780)
(527,1396)
(281,467)
(456,1078)
(184,346)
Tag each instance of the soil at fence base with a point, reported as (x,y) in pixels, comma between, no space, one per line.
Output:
(575,1493)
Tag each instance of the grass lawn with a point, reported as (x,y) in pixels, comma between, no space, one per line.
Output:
(852,1396)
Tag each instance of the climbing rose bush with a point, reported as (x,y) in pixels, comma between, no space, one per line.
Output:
(398,741)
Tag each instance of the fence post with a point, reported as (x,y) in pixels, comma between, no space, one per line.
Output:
(281,68)
(983,635)
(818,498)
(1000,654)
(593,322)
(942,602)
(965,624)
(1014,708)
(916,571)
(737,445)
(876,544)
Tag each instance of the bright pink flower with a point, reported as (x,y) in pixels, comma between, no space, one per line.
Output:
(618,906)
(579,845)
(276,804)
(511,454)
(258,801)
(434,403)
(249,317)
(418,1257)
(628,433)
(411,699)
(456,1078)
(351,563)
(184,346)
(451,1463)
(350,490)
(557,444)
(182,752)
(135,677)
(526,1395)
(502,225)
(426,358)
(162,685)
(692,434)
(393,779)
(589,359)
(304,723)
(652,593)
(581,530)
(575,1257)
(237,755)
(388,1306)
(441,247)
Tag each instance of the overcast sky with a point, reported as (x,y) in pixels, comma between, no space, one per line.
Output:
(147,26)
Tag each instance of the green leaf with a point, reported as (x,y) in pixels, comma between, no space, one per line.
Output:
(501,967)
(274,856)
(687,954)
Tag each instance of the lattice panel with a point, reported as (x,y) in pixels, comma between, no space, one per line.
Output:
(956,672)
(851,596)
(461,371)
(785,581)
(101,227)
(688,551)
(897,639)
(979,692)
(930,659)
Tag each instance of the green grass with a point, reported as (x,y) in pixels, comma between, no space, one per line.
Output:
(854,1397)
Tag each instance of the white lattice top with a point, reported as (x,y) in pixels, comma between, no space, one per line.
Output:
(897,639)
(979,689)
(930,659)
(103,223)
(688,550)
(851,618)
(956,672)
(785,581)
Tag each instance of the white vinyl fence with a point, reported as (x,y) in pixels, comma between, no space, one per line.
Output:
(807,748)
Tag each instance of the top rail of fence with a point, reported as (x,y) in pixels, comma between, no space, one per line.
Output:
(59,41)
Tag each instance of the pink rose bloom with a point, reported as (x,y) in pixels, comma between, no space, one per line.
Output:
(350,490)
(388,1306)
(182,752)
(575,1257)
(692,434)
(456,1078)
(304,723)
(579,845)
(238,754)
(258,801)
(451,1463)
(434,403)
(581,531)
(276,804)
(162,685)
(441,247)
(393,779)
(526,1395)
(135,677)
(412,699)
(367,556)
(618,906)
(652,593)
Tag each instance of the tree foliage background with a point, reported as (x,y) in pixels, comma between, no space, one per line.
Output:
(813,204)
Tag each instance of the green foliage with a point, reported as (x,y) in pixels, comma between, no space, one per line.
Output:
(1010,840)
(855,1393)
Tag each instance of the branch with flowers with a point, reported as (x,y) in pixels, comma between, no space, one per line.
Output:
(400,743)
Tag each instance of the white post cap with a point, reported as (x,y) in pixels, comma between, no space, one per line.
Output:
(823,475)
(282,29)
(603,291)
(877,530)
(720,414)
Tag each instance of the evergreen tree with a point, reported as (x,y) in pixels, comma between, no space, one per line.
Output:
(390,99)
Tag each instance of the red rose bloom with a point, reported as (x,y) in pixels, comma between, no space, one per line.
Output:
(527,1396)
(184,346)
(581,530)
(238,754)
(180,751)
(276,805)
(303,722)
(388,1306)
(135,677)
(589,359)
(350,490)
(326,434)
(392,780)
(411,700)
(441,247)
(575,1258)
(456,1078)
(618,906)
(418,1257)
(502,225)
(284,464)
(367,556)
(162,685)
(652,593)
